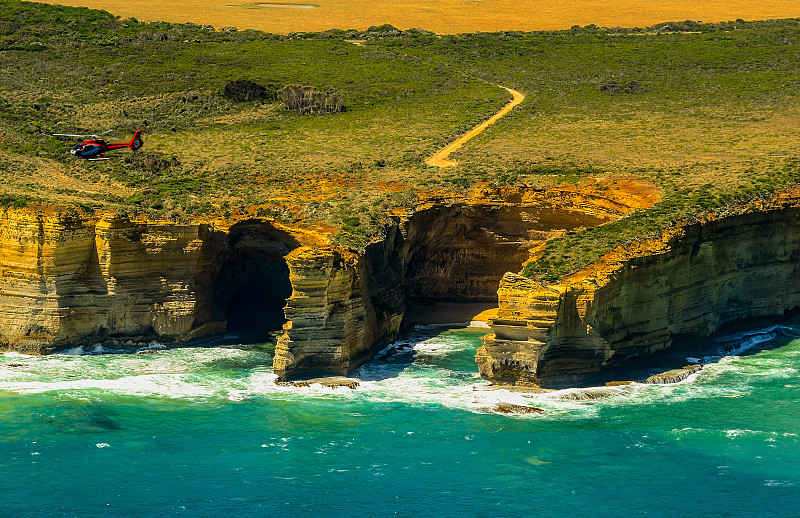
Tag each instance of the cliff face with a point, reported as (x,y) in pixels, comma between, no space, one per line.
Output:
(458,248)
(65,279)
(343,309)
(69,280)
(633,302)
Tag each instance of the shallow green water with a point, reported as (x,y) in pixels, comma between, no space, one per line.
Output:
(206,432)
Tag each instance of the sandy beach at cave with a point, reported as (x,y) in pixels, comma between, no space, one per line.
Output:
(475,314)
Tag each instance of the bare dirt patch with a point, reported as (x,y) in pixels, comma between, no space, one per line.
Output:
(276,5)
(445,16)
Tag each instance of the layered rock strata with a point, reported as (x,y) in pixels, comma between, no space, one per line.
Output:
(68,279)
(65,279)
(333,324)
(634,302)
(345,307)
(458,248)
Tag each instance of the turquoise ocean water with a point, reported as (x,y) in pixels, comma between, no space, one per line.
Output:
(206,432)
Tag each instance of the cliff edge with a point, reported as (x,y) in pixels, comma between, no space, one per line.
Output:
(636,300)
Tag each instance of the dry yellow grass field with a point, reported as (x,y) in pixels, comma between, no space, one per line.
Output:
(441,16)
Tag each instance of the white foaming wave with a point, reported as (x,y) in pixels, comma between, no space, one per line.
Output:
(588,401)
(398,347)
(438,349)
(421,328)
(736,344)
(741,371)
(81,350)
(553,407)
(170,374)
(579,403)
(165,385)
(174,374)
(14,354)
(420,390)
(189,373)
(476,395)
(739,343)
(411,386)
(73,351)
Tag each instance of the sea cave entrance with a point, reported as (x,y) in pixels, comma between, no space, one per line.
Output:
(455,255)
(252,282)
(454,258)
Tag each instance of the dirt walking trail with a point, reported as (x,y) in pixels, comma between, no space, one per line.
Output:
(439,159)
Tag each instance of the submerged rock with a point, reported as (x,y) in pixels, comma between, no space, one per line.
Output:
(333,382)
(511,408)
(673,376)
(587,394)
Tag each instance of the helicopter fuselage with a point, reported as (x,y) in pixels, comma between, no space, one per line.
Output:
(95,149)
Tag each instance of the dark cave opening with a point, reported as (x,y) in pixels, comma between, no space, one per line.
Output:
(252,283)
(254,297)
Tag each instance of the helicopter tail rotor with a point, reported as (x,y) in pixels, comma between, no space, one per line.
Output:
(137,141)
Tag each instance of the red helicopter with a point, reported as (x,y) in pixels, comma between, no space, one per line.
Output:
(96,148)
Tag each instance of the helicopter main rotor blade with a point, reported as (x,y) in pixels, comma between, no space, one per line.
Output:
(93,135)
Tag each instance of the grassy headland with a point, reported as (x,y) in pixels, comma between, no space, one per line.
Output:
(709,112)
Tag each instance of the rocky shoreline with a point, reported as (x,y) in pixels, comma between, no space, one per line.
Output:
(635,302)
(69,278)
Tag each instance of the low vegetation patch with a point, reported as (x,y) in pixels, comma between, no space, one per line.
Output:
(309,100)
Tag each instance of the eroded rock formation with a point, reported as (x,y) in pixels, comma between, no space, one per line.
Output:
(346,307)
(458,248)
(68,279)
(689,282)
(333,325)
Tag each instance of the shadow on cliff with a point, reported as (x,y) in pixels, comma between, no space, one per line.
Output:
(744,338)
(252,283)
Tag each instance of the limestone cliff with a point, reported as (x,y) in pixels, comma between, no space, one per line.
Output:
(345,306)
(688,283)
(459,247)
(65,279)
(69,279)
(343,309)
